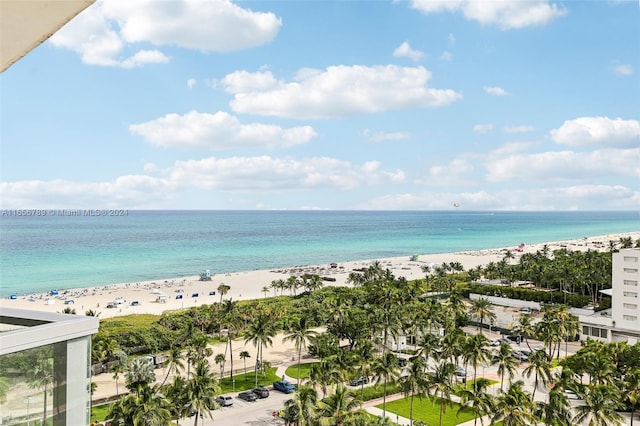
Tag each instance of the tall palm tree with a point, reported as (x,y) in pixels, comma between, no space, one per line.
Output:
(243,356)
(525,328)
(299,333)
(303,405)
(507,364)
(223,289)
(260,333)
(414,383)
(600,407)
(441,382)
(385,368)
(555,412)
(513,407)
(540,366)
(338,408)
(481,308)
(41,377)
(201,391)
(476,352)
(323,375)
(174,362)
(477,398)
(631,385)
(231,321)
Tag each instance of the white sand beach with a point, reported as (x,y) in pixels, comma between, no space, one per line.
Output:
(154,297)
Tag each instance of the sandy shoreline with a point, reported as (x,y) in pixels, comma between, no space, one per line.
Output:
(156,296)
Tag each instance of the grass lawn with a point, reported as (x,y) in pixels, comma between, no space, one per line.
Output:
(470,383)
(428,411)
(292,371)
(99,412)
(247,380)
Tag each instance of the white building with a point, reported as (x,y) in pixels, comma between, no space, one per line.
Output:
(622,321)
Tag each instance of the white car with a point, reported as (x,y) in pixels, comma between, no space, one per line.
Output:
(224,401)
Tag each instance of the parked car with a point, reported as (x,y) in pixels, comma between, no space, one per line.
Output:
(224,401)
(460,371)
(360,380)
(135,303)
(261,392)
(497,342)
(520,356)
(525,311)
(284,386)
(248,396)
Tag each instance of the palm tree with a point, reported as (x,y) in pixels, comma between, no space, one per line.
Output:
(223,289)
(265,291)
(338,407)
(514,407)
(243,356)
(41,376)
(600,407)
(385,368)
(323,375)
(477,398)
(260,333)
(143,407)
(476,352)
(139,372)
(299,333)
(481,308)
(441,381)
(220,361)
(303,406)
(525,328)
(174,362)
(632,390)
(540,366)
(414,383)
(230,319)
(201,391)
(507,364)
(556,412)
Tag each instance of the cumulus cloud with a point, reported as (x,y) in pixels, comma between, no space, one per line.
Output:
(276,174)
(196,130)
(191,83)
(602,131)
(105,33)
(482,129)
(335,92)
(505,14)
(446,56)
(495,90)
(405,51)
(380,136)
(564,166)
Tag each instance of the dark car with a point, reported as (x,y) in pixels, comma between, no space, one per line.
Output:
(357,381)
(248,396)
(261,392)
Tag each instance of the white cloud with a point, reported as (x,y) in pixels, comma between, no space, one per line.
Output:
(482,129)
(191,83)
(623,69)
(564,166)
(451,39)
(337,91)
(495,90)
(381,136)
(196,130)
(277,174)
(505,14)
(518,129)
(602,131)
(134,191)
(105,32)
(405,51)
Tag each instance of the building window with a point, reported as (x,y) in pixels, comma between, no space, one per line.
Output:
(603,333)
(631,282)
(631,270)
(630,259)
(630,318)
(585,330)
(630,306)
(630,294)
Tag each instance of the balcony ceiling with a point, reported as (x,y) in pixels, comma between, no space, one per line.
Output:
(24,24)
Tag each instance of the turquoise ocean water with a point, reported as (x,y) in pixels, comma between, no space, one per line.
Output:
(52,252)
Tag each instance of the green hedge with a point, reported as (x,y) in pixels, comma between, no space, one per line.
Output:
(573,300)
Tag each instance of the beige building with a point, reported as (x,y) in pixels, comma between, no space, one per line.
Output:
(622,321)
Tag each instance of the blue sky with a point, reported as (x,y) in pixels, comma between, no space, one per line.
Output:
(198,104)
